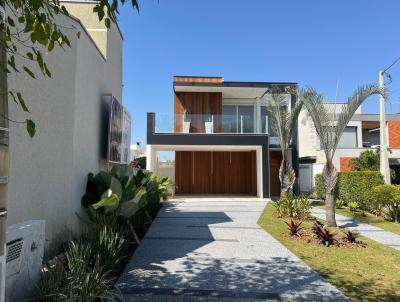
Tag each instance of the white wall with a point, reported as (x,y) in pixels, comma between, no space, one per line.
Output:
(308,139)
(48,173)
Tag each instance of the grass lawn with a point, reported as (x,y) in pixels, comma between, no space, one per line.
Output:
(371,219)
(362,274)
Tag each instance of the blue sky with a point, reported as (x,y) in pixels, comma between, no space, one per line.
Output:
(315,43)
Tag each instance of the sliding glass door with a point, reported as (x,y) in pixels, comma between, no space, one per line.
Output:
(237,119)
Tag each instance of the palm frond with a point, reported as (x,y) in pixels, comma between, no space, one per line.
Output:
(284,121)
(353,103)
(330,124)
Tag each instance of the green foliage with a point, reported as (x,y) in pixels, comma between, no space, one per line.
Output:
(123,192)
(293,207)
(140,162)
(369,160)
(87,271)
(339,204)
(353,206)
(386,199)
(319,186)
(355,186)
(89,267)
(32,30)
(352,186)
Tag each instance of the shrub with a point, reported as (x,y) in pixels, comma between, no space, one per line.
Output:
(351,236)
(119,203)
(325,236)
(355,186)
(339,204)
(386,198)
(319,186)
(351,186)
(87,271)
(353,206)
(369,160)
(293,207)
(124,193)
(294,227)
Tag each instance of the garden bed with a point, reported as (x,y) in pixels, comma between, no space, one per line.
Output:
(367,272)
(120,206)
(306,235)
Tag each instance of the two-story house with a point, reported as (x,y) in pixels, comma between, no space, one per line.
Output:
(221,136)
(362,133)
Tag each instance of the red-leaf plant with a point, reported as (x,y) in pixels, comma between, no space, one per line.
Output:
(325,236)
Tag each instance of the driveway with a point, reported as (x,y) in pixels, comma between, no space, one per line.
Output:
(211,249)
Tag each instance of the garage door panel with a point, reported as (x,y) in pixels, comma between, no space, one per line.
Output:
(221,172)
(216,173)
(202,173)
(183,172)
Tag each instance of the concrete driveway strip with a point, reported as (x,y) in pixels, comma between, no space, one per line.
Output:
(209,249)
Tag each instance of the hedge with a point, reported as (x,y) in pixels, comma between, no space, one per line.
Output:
(351,186)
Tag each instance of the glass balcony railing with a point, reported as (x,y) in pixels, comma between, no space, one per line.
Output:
(212,123)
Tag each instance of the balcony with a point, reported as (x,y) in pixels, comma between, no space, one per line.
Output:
(213,124)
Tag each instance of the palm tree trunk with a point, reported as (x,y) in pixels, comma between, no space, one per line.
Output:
(330,178)
(282,172)
(286,176)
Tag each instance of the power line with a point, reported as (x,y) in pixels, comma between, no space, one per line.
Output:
(391,65)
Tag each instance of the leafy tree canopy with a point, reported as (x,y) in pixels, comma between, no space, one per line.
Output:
(369,160)
(30,28)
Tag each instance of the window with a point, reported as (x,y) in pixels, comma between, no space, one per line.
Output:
(266,119)
(237,119)
(348,138)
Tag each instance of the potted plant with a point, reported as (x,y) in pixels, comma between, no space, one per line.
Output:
(186,122)
(209,123)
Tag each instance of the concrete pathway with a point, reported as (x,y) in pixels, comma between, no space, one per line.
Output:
(385,237)
(213,250)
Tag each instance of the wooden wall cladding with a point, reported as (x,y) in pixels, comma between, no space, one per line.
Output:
(275,159)
(199,105)
(216,173)
(199,79)
(370,124)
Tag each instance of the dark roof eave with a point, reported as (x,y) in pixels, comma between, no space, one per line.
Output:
(234,84)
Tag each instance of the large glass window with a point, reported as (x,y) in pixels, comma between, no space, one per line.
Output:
(348,138)
(266,120)
(237,119)
(246,119)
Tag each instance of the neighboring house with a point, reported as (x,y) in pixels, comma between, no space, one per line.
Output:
(48,173)
(222,137)
(362,133)
(137,151)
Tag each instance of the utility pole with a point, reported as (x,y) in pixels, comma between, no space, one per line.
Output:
(384,161)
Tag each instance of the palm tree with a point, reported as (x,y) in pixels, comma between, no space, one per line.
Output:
(329,124)
(284,122)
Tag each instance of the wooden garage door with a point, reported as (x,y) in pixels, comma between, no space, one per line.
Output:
(215,173)
(275,159)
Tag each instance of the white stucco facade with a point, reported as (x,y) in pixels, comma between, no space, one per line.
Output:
(48,173)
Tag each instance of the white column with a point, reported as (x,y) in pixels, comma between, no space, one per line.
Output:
(258,115)
(259,160)
(384,162)
(151,158)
